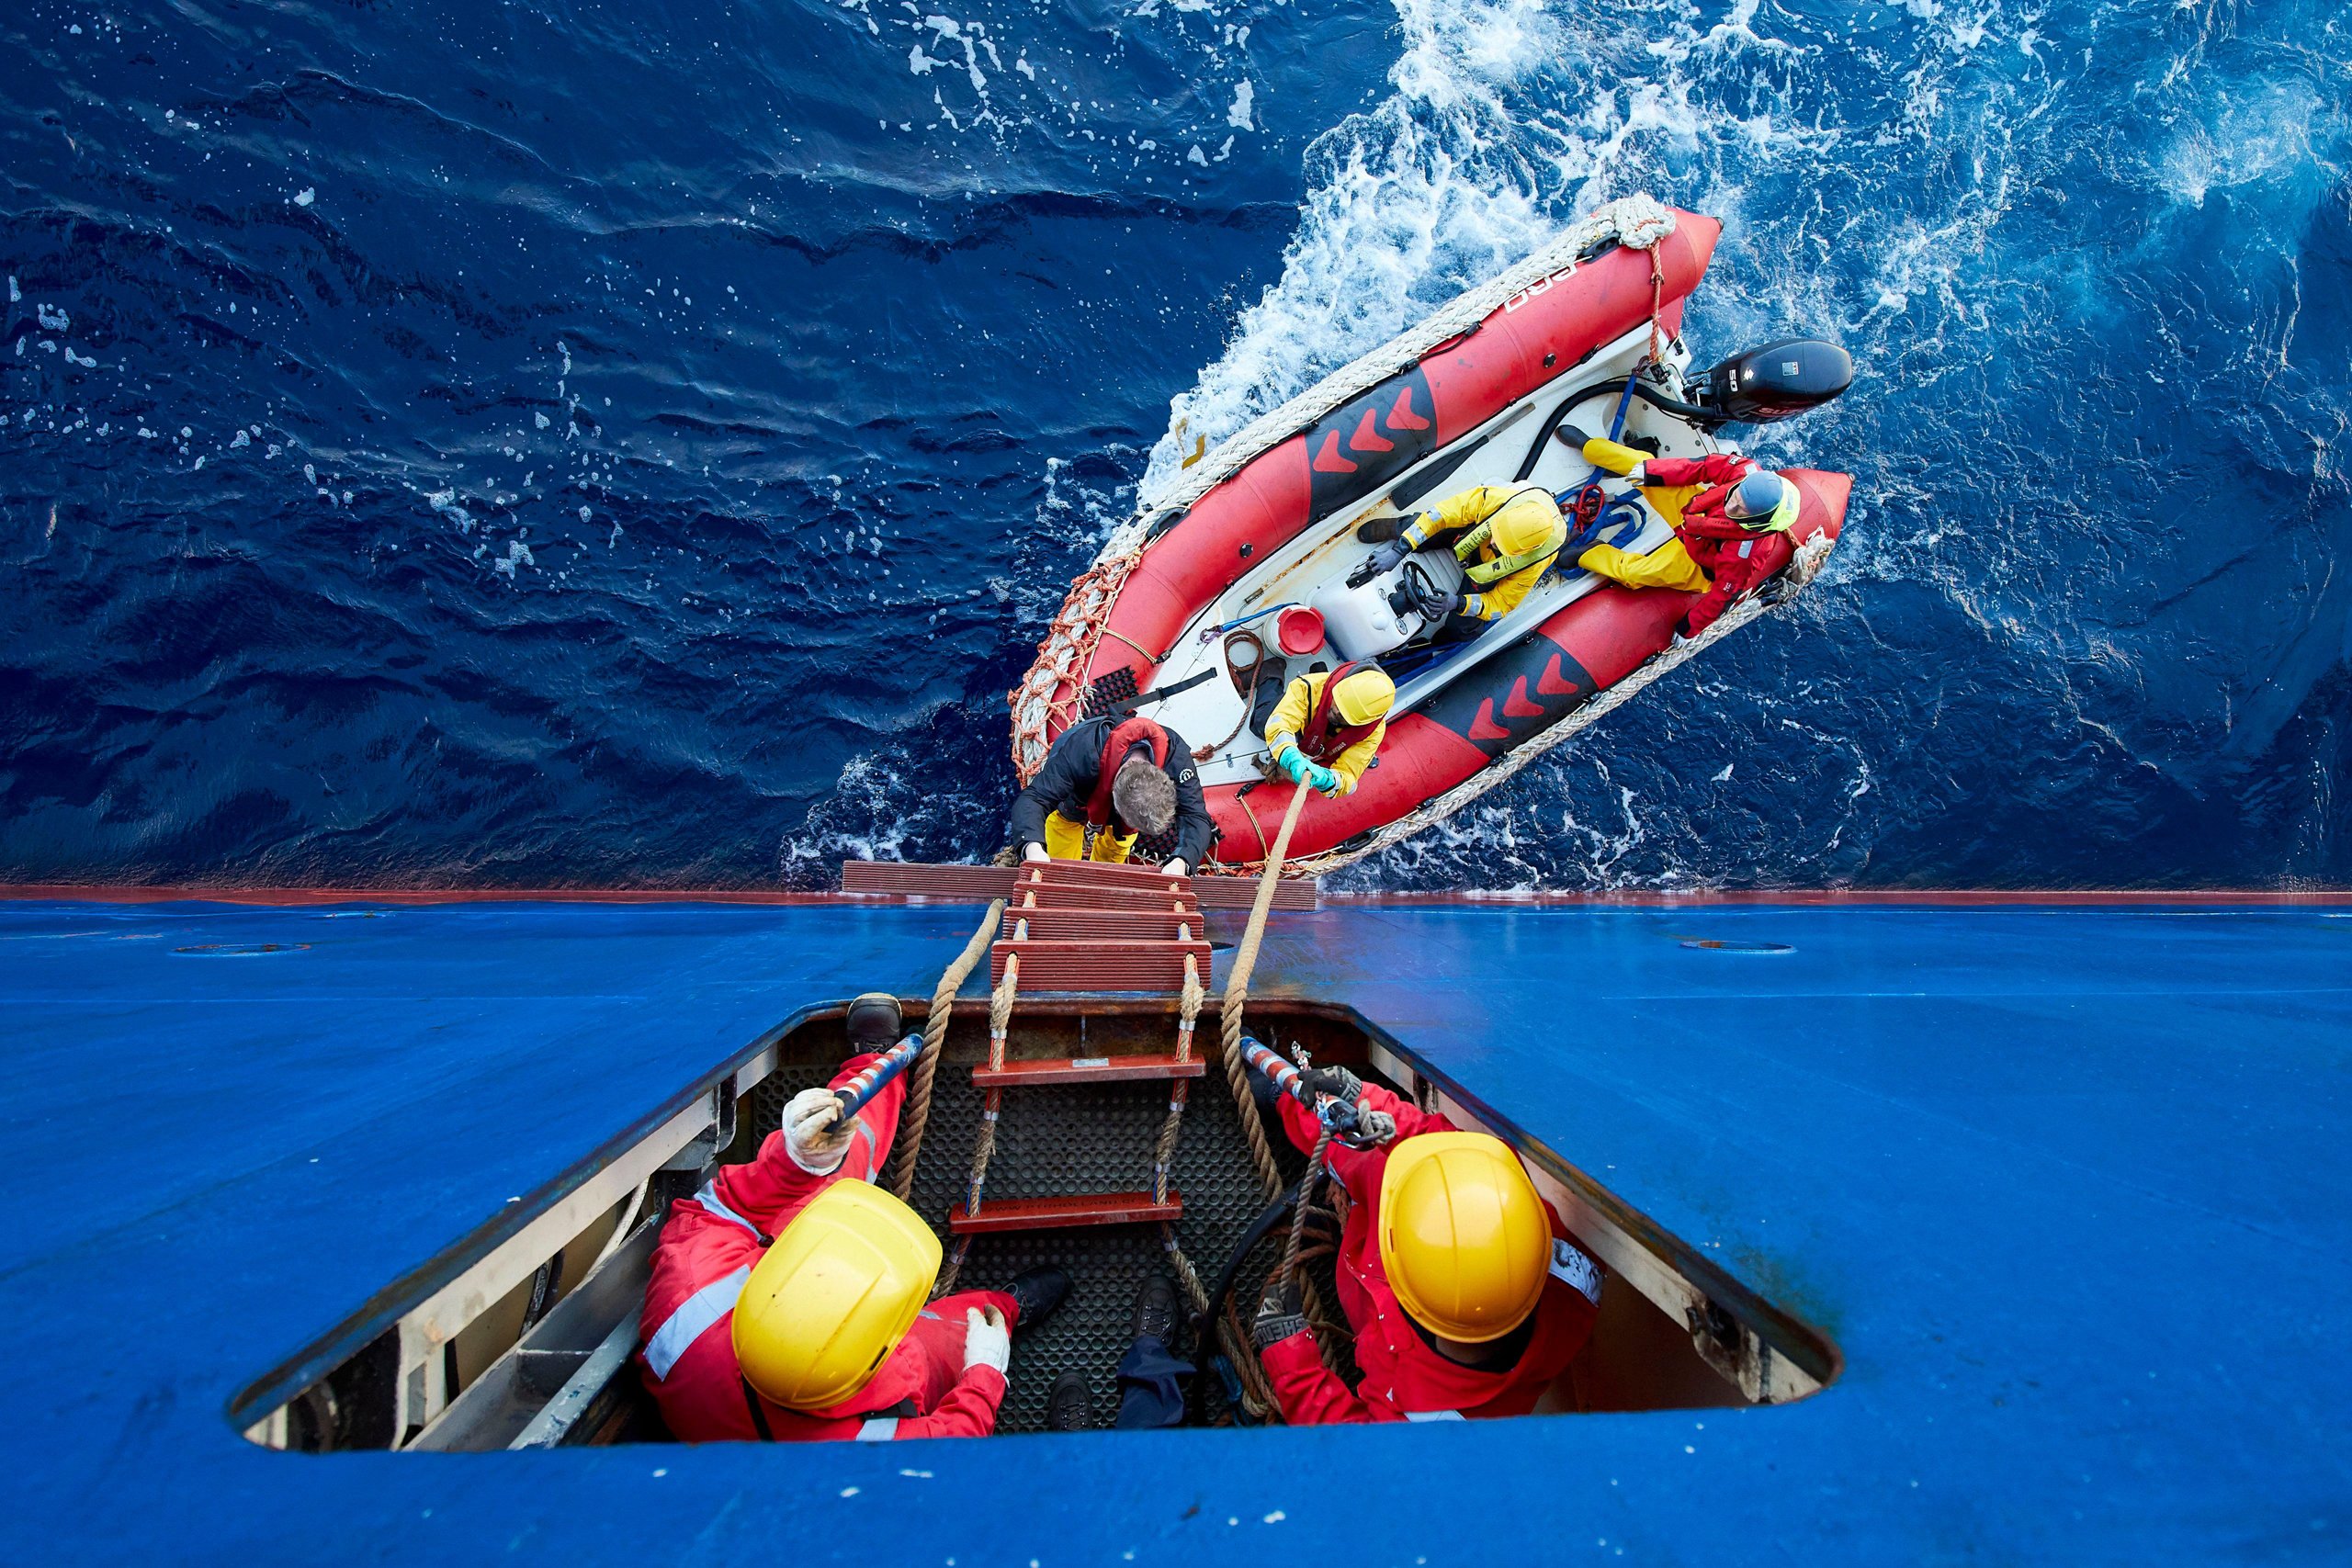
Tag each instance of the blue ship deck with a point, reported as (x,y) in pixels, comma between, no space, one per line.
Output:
(2065,1185)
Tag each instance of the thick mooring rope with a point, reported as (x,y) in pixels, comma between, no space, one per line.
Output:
(1236,997)
(917,1116)
(992,1106)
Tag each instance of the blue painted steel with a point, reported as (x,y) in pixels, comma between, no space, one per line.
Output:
(2066,1187)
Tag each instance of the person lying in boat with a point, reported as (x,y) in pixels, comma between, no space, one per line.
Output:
(1465,1293)
(1124,777)
(823,1331)
(1328,728)
(1506,538)
(1731,524)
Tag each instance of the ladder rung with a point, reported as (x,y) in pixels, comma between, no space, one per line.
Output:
(1100,966)
(1117,925)
(1053,896)
(1059,1213)
(1100,874)
(1085,1069)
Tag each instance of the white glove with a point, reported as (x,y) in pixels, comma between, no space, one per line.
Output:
(815,1141)
(1639,474)
(1033,853)
(986,1341)
(1175,868)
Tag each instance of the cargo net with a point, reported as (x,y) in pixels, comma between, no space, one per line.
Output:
(1048,695)
(1093,1138)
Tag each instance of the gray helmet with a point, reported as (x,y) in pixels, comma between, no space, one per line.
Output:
(1754,500)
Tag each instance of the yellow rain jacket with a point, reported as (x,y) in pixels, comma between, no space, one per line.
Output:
(1289,718)
(1476,513)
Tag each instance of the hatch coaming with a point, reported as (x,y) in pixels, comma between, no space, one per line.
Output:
(1674,1329)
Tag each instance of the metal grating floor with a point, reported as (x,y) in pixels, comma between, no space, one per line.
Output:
(1076,1139)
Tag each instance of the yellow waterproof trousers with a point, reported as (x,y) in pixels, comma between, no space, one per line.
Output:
(1065,839)
(1668,566)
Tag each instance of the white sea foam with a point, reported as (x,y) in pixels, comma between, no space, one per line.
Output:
(1490,140)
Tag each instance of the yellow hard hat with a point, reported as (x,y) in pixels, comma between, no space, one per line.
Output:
(1364,696)
(1531,523)
(833,1296)
(1463,1239)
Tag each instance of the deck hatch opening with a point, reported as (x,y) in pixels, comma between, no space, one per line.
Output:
(548,1360)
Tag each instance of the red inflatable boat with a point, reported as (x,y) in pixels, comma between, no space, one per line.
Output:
(1239,579)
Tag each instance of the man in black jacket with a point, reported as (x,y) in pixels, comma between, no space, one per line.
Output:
(1122,777)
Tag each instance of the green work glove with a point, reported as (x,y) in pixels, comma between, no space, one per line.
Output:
(1293,761)
(1322,778)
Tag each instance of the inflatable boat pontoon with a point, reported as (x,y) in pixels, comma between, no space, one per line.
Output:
(1191,609)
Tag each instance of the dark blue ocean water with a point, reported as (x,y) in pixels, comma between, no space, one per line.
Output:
(641,444)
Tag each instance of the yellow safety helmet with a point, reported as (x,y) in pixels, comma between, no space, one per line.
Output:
(1463,1239)
(1527,522)
(833,1296)
(1364,696)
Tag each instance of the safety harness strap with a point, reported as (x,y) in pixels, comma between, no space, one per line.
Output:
(1327,734)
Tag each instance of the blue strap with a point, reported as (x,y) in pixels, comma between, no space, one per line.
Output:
(1624,400)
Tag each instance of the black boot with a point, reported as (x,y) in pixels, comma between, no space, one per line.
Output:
(874,1022)
(1036,1292)
(1155,1315)
(1070,1406)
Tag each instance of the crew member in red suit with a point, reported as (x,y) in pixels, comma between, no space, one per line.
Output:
(788,1296)
(1731,521)
(1466,1295)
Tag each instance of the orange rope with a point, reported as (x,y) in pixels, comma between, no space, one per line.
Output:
(1657,291)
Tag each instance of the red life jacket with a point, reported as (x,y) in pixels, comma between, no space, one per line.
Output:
(1123,738)
(1327,734)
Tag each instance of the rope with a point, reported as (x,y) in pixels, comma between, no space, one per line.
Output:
(1306,1189)
(1248,701)
(1236,997)
(1163,1156)
(1657,302)
(1150,657)
(916,1117)
(984,1141)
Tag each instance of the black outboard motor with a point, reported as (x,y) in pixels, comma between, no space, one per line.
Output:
(1775,382)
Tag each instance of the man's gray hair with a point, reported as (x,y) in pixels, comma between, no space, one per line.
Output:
(1143,797)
